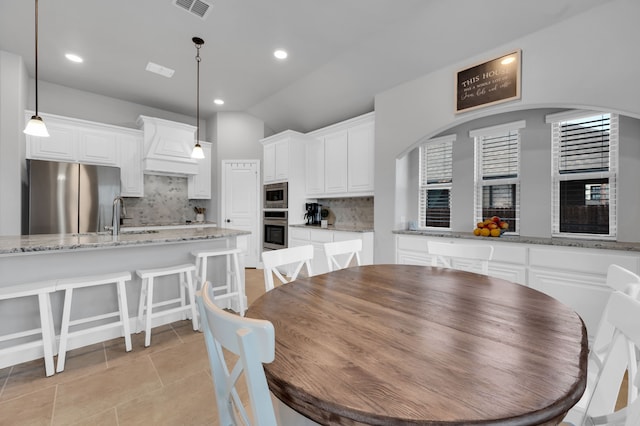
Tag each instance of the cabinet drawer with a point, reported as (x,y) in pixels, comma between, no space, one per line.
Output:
(412,243)
(300,234)
(321,236)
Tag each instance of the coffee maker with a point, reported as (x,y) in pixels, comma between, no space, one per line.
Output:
(312,215)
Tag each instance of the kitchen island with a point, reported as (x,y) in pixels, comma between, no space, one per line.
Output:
(30,258)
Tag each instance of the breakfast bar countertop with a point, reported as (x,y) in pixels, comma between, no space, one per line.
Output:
(17,244)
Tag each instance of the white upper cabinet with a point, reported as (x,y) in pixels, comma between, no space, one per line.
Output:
(361,159)
(97,146)
(335,163)
(131,175)
(314,167)
(276,161)
(199,185)
(340,161)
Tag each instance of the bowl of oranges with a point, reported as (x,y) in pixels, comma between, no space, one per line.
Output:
(491,227)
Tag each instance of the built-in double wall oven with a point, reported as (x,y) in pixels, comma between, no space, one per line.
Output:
(275,230)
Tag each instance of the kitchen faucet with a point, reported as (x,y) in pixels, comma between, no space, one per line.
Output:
(118,213)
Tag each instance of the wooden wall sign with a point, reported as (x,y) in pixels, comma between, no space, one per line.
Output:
(489,83)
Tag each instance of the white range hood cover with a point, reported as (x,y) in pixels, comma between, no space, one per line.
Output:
(167,147)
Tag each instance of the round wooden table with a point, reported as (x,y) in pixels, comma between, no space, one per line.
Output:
(400,344)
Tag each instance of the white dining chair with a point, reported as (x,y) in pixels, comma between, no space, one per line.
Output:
(253,341)
(472,258)
(294,258)
(621,314)
(605,394)
(342,250)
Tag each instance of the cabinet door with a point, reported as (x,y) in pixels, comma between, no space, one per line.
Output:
(59,146)
(269,153)
(361,158)
(335,150)
(314,167)
(131,175)
(199,186)
(282,160)
(97,146)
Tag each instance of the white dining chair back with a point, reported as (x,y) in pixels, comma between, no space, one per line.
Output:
(622,314)
(340,254)
(253,342)
(605,394)
(622,279)
(294,258)
(472,258)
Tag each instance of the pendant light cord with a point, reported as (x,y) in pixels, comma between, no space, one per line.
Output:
(198,93)
(36,57)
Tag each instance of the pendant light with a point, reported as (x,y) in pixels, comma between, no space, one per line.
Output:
(197,152)
(35,126)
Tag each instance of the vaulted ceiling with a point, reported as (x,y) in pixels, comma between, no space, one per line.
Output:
(341,52)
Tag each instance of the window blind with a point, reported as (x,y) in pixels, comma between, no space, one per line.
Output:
(437,163)
(584,144)
(500,155)
(436,176)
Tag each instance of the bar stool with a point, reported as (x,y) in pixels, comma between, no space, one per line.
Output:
(43,291)
(146,306)
(233,286)
(118,280)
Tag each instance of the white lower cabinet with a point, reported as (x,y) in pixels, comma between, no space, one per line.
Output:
(317,237)
(573,275)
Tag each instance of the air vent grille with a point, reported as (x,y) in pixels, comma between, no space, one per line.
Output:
(196,7)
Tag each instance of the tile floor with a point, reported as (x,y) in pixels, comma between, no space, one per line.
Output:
(168,383)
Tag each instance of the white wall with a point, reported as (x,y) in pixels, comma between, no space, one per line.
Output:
(235,137)
(558,70)
(13,95)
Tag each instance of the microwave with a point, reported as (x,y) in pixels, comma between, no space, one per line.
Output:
(275,195)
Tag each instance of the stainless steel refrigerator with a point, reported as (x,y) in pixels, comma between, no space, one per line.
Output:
(67,198)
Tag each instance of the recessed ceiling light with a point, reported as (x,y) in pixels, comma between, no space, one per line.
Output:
(218,101)
(280,54)
(74,58)
(159,69)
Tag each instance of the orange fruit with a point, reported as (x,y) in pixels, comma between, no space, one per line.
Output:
(495,232)
(485,232)
(480,224)
(477,231)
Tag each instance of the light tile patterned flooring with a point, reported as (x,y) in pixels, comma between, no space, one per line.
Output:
(168,383)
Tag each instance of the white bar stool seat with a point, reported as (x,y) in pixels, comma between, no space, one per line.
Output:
(47,340)
(233,286)
(117,279)
(146,306)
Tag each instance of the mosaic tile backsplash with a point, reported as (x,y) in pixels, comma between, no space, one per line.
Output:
(165,201)
(350,211)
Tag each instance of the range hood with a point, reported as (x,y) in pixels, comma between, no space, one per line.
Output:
(167,147)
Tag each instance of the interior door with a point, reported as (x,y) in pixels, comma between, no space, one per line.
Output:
(240,209)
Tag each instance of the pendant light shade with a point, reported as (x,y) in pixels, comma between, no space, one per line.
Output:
(197,152)
(35,126)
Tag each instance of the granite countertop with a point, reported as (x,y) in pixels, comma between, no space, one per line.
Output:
(159,226)
(94,240)
(338,227)
(561,242)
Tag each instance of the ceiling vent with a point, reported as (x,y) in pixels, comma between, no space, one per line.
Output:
(197,7)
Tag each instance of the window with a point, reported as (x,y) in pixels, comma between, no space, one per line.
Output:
(497,173)
(584,166)
(436,176)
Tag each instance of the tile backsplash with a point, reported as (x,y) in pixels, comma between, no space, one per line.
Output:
(165,201)
(350,211)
